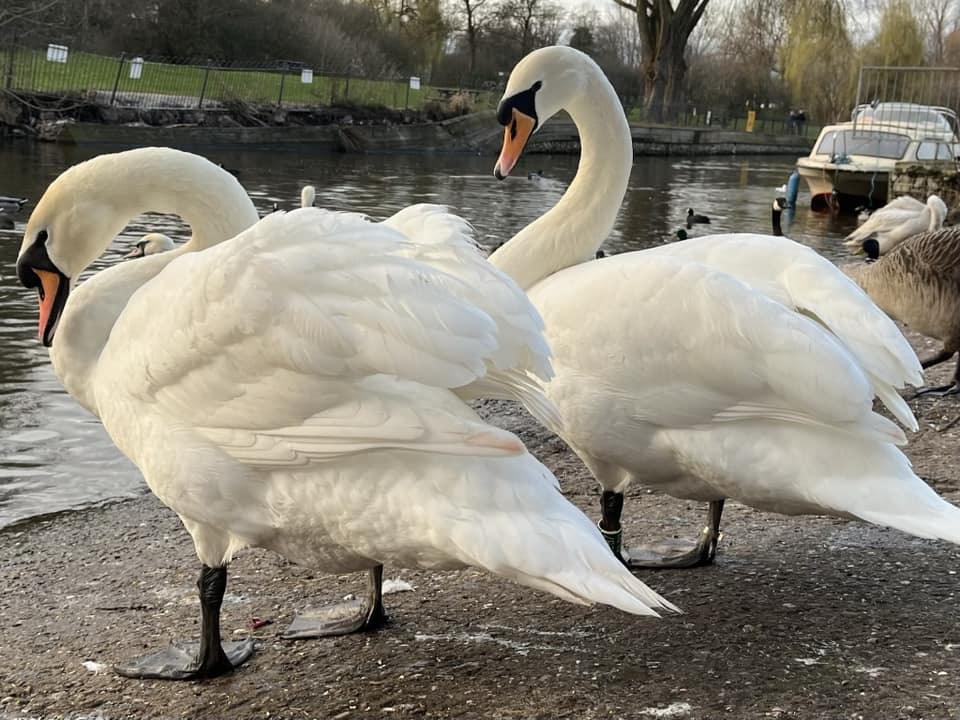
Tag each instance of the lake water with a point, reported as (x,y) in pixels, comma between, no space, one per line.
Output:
(55,457)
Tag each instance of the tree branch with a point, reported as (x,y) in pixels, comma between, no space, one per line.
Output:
(628,6)
(13,15)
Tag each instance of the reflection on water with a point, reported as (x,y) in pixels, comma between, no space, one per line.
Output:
(54,456)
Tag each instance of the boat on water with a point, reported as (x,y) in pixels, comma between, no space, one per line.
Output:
(851,162)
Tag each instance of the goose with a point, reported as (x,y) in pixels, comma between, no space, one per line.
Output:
(150,244)
(303,389)
(308,196)
(12,204)
(729,366)
(775,214)
(918,283)
(695,218)
(897,220)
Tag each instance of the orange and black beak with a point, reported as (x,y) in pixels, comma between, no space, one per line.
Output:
(139,250)
(518,115)
(515,137)
(36,270)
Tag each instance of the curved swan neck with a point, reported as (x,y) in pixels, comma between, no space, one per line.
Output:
(207,198)
(577,225)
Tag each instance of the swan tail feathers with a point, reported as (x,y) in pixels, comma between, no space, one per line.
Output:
(894,402)
(940,522)
(887,492)
(588,574)
(543,541)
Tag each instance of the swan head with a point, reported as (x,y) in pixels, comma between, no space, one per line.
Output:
(151,244)
(938,212)
(308,196)
(66,232)
(540,85)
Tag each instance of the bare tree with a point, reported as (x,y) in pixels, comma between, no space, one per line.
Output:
(665,30)
(475,15)
(20,17)
(938,18)
(530,21)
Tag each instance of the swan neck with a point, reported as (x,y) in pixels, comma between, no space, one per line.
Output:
(571,232)
(207,198)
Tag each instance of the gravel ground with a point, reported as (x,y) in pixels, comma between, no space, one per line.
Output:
(799,618)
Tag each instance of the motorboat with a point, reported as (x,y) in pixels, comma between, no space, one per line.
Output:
(851,162)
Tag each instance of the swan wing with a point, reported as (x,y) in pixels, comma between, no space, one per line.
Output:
(800,278)
(904,202)
(880,223)
(307,336)
(522,361)
(683,345)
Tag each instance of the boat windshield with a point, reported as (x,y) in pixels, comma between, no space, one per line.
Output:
(873,144)
(907,114)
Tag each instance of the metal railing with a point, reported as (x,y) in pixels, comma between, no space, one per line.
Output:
(148,82)
(922,99)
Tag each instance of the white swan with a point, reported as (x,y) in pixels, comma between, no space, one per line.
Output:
(896,221)
(302,389)
(690,380)
(151,244)
(308,196)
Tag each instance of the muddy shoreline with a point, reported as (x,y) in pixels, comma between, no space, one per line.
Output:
(799,618)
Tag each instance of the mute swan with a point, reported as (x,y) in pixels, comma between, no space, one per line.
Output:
(308,196)
(918,283)
(710,374)
(151,244)
(897,220)
(303,388)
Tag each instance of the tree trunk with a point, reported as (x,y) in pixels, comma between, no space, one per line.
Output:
(664,32)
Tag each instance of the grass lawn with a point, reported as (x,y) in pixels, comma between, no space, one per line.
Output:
(85,71)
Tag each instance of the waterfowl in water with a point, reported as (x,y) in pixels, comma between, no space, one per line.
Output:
(698,378)
(308,196)
(775,213)
(300,384)
(12,204)
(695,218)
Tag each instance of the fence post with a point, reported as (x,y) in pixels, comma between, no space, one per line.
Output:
(346,91)
(283,75)
(11,54)
(116,82)
(203,88)
(406,101)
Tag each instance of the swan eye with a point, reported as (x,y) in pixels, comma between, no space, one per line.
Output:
(536,86)
(42,237)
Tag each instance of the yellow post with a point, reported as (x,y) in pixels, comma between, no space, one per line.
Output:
(751,119)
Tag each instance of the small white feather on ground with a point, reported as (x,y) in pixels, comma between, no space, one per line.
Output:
(397,585)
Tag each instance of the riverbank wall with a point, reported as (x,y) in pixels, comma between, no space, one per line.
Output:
(353,130)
